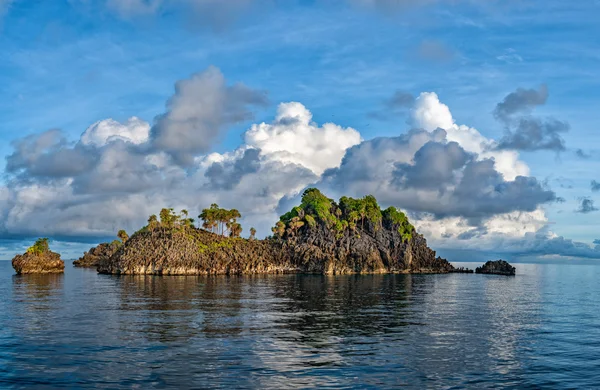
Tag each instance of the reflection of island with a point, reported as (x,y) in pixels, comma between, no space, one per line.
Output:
(319,236)
(39,297)
(182,307)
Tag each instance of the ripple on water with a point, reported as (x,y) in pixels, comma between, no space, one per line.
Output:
(538,329)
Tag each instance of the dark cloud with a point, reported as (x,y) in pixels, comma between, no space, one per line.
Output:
(225,175)
(533,134)
(596,242)
(48,155)
(595,186)
(434,166)
(581,154)
(560,199)
(524,131)
(522,101)
(586,205)
(441,179)
(199,112)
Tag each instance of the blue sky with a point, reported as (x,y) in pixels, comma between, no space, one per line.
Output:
(68,64)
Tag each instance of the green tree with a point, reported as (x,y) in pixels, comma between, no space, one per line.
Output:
(123,236)
(40,246)
(252,233)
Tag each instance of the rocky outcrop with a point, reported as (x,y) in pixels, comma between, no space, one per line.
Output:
(96,255)
(38,260)
(498,267)
(319,236)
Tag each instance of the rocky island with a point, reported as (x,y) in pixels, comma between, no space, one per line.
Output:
(318,236)
(38,259)
(102,252)
(498,267)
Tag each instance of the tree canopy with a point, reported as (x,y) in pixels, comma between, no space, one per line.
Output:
(349,214)
(40,246)
(221,221)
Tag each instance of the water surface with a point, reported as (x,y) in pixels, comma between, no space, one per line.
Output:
(540,329)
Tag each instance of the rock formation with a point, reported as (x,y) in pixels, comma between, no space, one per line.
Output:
(38,260)
(498,267)
(319,236)
(95,255)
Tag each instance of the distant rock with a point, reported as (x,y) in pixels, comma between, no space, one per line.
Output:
(498,267)
(95,255)
(38,259)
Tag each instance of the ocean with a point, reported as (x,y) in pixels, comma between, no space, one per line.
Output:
(539,329)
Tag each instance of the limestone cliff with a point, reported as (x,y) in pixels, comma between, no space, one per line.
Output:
(319,236)
(97,254)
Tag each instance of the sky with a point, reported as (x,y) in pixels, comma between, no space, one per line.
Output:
(476,117)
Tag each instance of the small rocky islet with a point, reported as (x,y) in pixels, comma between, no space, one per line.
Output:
(38,259)
(497,267)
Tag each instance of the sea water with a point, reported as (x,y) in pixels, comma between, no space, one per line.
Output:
(539,329)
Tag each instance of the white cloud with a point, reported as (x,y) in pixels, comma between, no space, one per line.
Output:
(429,113)
(294,138)
(133,130)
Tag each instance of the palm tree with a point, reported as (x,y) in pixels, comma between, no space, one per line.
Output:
(252,233)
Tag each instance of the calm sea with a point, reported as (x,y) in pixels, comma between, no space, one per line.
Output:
(540,329)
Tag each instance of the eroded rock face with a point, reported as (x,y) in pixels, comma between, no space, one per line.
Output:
(95,255)
(42,263)
(498,267)
(316,249)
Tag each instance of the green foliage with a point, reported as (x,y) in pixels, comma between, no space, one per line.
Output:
(221,221)
(397,218)
(40,246)
(252,233)
(123,236)
(310,220)
(348,215)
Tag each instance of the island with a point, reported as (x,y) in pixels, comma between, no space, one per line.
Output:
(102,252)
(498,267)
(38,259)
(319,236)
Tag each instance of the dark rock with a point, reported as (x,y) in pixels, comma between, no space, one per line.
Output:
(316,249)
(462,270)
(498,267)
(95,255)
(38,263)
(319,236)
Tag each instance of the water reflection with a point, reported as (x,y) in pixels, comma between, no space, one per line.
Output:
(421,331)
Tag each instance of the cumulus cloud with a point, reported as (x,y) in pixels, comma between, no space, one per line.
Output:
(201,110)
(294,138)
(133,130)
(423,172)
(455,186)
(586,205)
(125,176)
(47,155)
(595,186)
